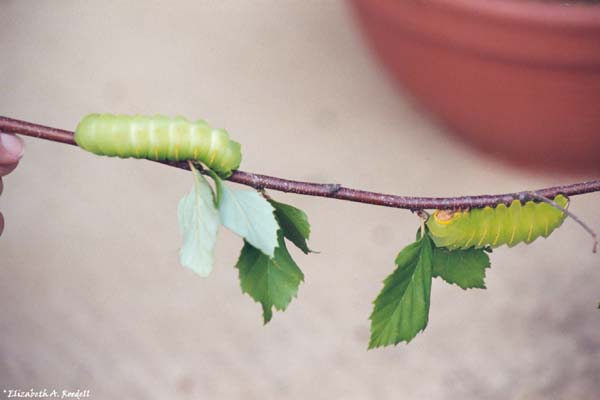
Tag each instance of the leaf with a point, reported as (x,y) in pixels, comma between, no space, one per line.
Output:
(402,307)
(249,215)
(273,282)
(199,223)
(465,268)
(294,224)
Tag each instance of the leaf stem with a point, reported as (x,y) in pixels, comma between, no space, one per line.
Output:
(334,191)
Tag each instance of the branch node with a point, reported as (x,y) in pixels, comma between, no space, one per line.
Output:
(333,188)
(523,197)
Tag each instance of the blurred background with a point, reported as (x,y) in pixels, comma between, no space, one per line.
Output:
(92,293)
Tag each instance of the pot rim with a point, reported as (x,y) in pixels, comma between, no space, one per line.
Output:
(578,16)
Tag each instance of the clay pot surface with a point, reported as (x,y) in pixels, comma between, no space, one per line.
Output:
(518,79)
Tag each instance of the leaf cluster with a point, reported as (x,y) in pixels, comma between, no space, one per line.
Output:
(401,310)
(267,271)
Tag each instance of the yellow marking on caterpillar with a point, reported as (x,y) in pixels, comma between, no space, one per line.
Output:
(546,227)
(497,235)
(176,152)
(530,232)
(471,238)
(512,236)
(137,152)
(212,157)
(195,152)
(483,236)
(156,153)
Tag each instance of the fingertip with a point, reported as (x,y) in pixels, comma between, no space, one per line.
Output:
(7,168)
(12,148)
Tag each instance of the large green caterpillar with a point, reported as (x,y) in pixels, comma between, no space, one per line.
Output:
(481,227)
(159,138)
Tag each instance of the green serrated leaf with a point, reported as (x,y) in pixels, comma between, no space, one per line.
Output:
(465,268)
(199,224)
(249,215)
(402,307)
(273,282)
(294,224)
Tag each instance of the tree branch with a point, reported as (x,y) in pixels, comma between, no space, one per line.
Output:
(334,191)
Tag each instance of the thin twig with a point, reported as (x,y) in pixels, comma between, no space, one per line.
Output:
(571,215)
(334,191)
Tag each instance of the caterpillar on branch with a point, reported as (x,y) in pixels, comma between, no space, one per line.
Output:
(159,138)
(481,227)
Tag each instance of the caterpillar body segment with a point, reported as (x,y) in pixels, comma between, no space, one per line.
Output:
(159,138)
(494,227)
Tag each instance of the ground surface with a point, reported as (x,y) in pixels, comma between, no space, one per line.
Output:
(91,291)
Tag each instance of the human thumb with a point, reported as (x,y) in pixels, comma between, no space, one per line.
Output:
(11,148)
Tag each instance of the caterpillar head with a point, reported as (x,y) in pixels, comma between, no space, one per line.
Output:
(444,225)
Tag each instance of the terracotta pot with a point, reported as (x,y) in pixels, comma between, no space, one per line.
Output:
(518,79)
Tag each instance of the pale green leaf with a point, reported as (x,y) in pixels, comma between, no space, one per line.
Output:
(273,282)
(294,224)
(402,307)
(465,268)
(199,223)
(249,215)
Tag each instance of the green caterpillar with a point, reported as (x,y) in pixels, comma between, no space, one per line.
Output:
(159,138)
(481,227)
